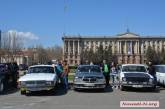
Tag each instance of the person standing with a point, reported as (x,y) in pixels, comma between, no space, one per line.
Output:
(59,70)
(151,71)
(65,74)
(106,71)
(113,73)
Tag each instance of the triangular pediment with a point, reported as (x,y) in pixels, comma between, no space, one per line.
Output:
(128,35)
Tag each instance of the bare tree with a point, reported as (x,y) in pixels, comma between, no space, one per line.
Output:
(11,44)
(54,52)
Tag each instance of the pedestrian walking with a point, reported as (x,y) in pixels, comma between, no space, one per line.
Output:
(106,71)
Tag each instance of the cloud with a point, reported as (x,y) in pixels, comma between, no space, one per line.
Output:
(24,35)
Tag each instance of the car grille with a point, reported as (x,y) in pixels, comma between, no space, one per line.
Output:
(137,79)
(89,79)
(31,83)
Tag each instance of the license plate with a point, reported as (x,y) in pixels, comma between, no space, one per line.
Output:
(89,85)
(138,86)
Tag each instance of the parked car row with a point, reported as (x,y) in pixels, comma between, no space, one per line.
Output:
(44,77)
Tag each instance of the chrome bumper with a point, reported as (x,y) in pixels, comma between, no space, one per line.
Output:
(89,85)
(137,85)
(36,88)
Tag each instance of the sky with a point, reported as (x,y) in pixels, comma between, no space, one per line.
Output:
(46,21)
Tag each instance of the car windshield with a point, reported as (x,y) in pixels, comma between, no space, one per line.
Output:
(133,69)
(89,69)
(160,69)
(41,69)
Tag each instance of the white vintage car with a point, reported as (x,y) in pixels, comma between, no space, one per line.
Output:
(38,77)
(136,76)
(160,74)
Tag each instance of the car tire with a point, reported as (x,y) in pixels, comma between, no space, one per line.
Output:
(153,88)
(76,89)
(23,92)
(122,88)
(2,87)
(102,89)
(53,91)
(27,93)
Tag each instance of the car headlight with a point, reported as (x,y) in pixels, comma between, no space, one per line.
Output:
(77,79)
(100,79)
(49,82)
(123,79)
(151,80)
(22,83)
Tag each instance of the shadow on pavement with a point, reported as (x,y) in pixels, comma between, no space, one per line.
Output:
(143,90)
(9,91)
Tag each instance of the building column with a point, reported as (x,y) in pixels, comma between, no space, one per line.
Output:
(113,47)
(125,51)
(118,47)
(160,45)
(78,47)
(73,47)
(138,47)
(131,47)
(69,47)
(142,48)
(64,49)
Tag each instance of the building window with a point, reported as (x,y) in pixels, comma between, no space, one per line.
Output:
(106,42)
(75,61)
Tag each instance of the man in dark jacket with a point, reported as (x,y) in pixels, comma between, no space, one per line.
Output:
(106,71)
(151,70)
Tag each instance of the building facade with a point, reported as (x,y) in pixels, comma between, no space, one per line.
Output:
(128,47)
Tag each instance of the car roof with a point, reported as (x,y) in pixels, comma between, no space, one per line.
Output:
(41,66)
(160,65)
(133,64)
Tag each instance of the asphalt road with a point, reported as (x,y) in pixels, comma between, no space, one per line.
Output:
(110,99)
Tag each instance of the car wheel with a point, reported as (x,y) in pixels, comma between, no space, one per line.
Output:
(27,93)
(102,89)
(76,89)
(23,92)
(2,87)
(153,88)
(53,90)
(122,88)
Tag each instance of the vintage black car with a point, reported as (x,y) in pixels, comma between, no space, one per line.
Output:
(89,77)
(8,76)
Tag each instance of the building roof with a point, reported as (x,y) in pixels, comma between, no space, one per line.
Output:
(127,34)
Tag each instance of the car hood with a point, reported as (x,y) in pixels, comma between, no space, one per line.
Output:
(93,74)
(38,76)
(137,74)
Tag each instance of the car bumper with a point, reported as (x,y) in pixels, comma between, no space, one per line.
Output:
(138,85)
(46,88)
(88,86)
